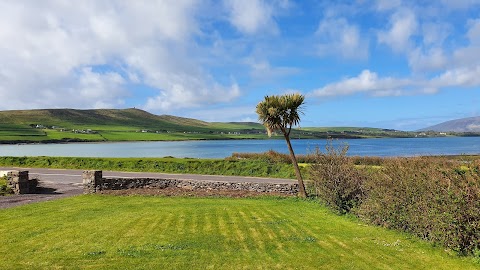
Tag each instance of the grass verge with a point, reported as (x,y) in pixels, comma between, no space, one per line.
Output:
(109,232)
(260,168)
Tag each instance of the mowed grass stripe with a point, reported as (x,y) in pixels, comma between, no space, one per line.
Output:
(106,232)
(289,232)
(237,242)
(272,234)
(275,235)
(273,244)
(256,239)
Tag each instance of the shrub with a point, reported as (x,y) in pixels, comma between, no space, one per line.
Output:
(369,161)
(336,180)
(433,198)
(269,156)
(272,156)
(4,188)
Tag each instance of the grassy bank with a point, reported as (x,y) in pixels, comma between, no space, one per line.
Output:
(253,167)
(105,232)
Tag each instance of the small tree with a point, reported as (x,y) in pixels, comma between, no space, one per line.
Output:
(281,112)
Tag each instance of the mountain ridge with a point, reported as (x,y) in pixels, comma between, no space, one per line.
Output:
(468,124)
(69,118)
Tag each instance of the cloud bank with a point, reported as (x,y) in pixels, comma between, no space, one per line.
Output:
(198,57)
(89,54)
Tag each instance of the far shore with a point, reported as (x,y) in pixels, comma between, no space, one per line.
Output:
(77,141)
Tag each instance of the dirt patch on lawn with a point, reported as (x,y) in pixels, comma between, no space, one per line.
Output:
(172,191)
(46,191)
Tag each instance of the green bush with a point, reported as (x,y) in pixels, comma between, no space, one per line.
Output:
(4,188)
(435,199)
(335,179)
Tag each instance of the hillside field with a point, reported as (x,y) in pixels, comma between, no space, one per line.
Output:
(68,125)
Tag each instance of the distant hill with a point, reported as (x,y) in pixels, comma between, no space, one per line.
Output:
(471,124)
(71,125)
(99,119)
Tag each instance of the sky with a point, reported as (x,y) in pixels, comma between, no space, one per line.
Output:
(388,63)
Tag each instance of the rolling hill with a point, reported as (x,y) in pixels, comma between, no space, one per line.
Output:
(470,124)
(65,125)
(98,119)
(71,125)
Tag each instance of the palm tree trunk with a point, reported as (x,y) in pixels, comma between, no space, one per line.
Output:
(301,185)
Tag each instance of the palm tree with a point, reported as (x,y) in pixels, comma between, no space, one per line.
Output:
(281,112)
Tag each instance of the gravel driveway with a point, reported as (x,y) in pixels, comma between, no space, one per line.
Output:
(46,191)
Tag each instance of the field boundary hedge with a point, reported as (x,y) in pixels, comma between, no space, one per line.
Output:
(434,198)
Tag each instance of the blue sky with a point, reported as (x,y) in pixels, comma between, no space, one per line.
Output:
(386,63)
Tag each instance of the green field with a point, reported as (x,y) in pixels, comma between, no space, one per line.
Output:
(107,232)
(67,125)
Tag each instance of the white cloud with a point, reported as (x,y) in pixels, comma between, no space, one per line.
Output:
(226,114)
(365,82)
(180,97)
(435,33)
(383,5)
(105,90)
(253,16)
(468,56)
(261,69)
(460,77)
(460,4)
(368,82)
(473,33)
(337,37)
(83,55)
(403,25)
(432,59)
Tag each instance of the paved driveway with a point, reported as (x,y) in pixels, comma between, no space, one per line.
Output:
(59,183)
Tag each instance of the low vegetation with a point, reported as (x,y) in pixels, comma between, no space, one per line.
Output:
(142,232)
(434,198)
(239,167)
(4,188)
(337,181)
(273,156)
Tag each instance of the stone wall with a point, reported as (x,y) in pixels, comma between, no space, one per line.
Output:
(94,182)
(19,182)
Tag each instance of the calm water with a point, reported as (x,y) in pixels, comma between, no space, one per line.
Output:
(221,149)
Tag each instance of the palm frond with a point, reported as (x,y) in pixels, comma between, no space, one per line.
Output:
(280,112)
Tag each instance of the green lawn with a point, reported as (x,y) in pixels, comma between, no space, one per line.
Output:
(105,232)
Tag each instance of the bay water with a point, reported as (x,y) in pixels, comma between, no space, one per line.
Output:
(225,148)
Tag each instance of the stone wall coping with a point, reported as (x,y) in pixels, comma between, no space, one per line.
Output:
(94,182)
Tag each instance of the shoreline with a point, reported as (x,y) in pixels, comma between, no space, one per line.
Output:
(78,141)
